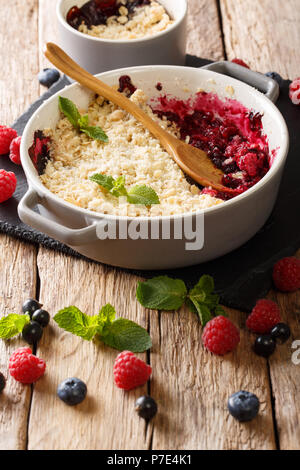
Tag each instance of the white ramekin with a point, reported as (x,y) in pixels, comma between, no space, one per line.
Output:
(99,55)
(226,226)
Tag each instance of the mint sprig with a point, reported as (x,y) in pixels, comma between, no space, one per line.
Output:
(12,325)
(69,109)
(137,195)
(120,333)
(164,293)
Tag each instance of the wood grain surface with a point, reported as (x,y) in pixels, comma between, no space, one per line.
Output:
(190,385)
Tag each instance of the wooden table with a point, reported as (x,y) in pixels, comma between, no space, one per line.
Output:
(190,385)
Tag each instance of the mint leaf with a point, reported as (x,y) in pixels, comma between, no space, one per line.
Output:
(73,320)
(107,182)
(219,310)
(161,293)
(12,325)
(69,109)
(202,310)
(83,121)
(106,317)
(142,195)
(126,335)
(95,133)
(119,187)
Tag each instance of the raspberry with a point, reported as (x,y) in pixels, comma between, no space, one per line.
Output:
(6,136)
(14,150)
(294,92)
(240,62)
(130,371)
(286,274)
(24,367)
(264,316)
(8,183)
(220,336)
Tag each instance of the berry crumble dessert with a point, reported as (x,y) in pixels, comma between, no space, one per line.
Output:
(119,19)
(95,161)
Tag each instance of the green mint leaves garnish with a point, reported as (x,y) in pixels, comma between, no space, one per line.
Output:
(118,333)
(69,109)
(164,293)
(136,195)
(12,325)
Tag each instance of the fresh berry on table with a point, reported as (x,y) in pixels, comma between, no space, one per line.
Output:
(130,371)
(14,150)
(146,407)
(8,184)
(264,316)
(275,76)
(24,367)
(72,391)
(286,274)
(32,332)
(41,316)
(264,345)
(2,382)
(30,306)
(294,92)
(243,406)
(7,135)
(220,336)
(48,77)
(240,62)
(281,333)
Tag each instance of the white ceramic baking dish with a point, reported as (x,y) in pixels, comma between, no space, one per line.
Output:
(225,227)
(99,55)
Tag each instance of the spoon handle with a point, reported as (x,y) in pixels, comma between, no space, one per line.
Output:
(63,62)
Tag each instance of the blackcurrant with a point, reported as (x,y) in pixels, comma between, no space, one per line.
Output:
(2,382)
(32,332)
(41,316)
(146,407)
(264,345)
(30,306)
(281,332)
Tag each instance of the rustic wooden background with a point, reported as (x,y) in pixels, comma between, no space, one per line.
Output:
(190,385)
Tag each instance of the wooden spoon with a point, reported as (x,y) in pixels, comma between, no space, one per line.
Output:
(192,161)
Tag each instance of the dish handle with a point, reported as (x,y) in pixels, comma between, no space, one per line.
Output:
(261,82)
(72,237)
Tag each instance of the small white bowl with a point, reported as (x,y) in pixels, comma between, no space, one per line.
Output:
(99,55)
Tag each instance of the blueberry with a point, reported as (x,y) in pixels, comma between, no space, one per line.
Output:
(48,76)
(41,316)
(264,345)
(32,332)
(2,382)
(72,391)
(243,406)
(281,332)
(30,306)
(146,407)
(275,76)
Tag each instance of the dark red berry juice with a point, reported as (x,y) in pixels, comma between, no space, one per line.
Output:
(229,133)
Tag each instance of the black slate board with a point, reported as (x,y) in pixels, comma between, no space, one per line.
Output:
(242,276)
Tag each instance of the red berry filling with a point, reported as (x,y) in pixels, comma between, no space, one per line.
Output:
(39,151)
(230,134)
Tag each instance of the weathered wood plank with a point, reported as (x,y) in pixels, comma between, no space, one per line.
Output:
(106,419)
(18,89)
(285,374)
(47,29)
(192,388)
(266,34)
(17,283)
(204,32)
